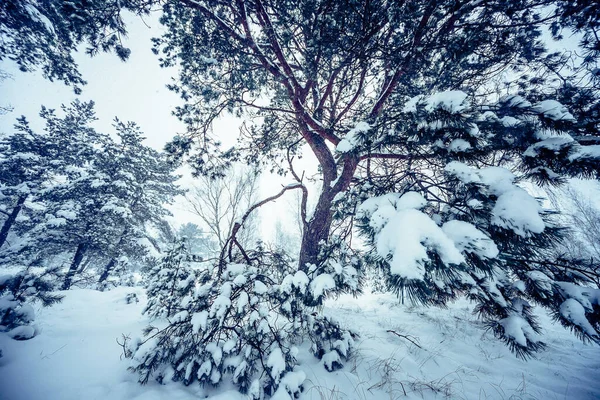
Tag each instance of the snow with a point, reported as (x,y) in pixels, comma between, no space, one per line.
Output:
(473,130)
(222,302)
(7,302)
(260,288)
(555,143)
(509,121)
(517,328)
(514,209)
(463,172)
(242,301)
(517,210)
(330,359)
(276,363)
(321,284)
(290,383)
(515,101)
(583,152)
(459,145)
(38,16)
(407,236)
(586,296)
(300,280)
(75,356)
(553,110)
(541,279)
(573,311)
(453,101)
(23,332)
(233,270)
(67,214)
(199,321)
(351,140)
(411,104)
(467,237)
(393,200)
(215,351)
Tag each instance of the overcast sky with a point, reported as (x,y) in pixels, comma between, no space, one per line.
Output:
(133,90)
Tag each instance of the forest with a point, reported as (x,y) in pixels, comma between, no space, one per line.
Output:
(318,199)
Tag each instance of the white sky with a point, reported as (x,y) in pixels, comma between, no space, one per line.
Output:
(133,90)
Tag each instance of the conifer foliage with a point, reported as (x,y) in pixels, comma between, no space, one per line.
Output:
(417,148)
(432,123)
(41,34)
(18,293)
(237,323)
(76,197)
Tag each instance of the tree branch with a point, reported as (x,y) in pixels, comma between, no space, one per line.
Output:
(238,224)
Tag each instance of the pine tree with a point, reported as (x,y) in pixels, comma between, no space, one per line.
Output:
(18,292)
(428,120)
(36,161)
(171,283)
(406,95)
(140,178)
(238,323)
(94,198)
(24,167)
(417,147)
(41,34)
(199,242)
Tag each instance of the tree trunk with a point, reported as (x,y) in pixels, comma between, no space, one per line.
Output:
(318,227)
(74,265)
(317,230)
(107,270)
(11,219)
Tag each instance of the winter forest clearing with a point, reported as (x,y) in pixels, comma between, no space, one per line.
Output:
(318,199)
(75,356)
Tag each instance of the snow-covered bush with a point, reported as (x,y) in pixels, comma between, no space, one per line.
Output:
(131,298)
(17,294)
(169,281)
(238,322)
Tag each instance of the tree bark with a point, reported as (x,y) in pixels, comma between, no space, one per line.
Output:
(11,219)
(317,230)
(107,270)
(79,253)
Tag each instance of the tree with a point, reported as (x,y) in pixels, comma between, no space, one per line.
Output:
(400,106)
(23,168)
(198,242)
(171,279)
(43,34)
(95,197)
(221,201)
(142,178)
(34,160)
(18,292)
(391,98)
(417,148)
(353,62)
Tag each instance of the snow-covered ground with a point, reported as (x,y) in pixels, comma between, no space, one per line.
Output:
(76,356)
